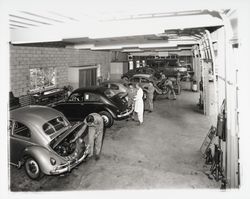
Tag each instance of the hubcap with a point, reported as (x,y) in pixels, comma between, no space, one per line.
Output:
(32,168)
(105,119)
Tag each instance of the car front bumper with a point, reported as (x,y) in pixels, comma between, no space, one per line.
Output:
(125,113)
(70,164)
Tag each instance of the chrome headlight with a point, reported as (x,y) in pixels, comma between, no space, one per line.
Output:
(52,161)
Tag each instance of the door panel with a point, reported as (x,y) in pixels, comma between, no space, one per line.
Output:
(71,110)
(92,103)
(90,107)
(87,77)
(17,147)
(19,139)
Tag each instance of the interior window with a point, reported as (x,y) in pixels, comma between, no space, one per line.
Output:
(42,78)
(91,97)
(54,125)
(76,97)
(48,128)
(114,87)
(150,70)
(135,79)
(21,130)
(105,85)
(143,80)
(109,93)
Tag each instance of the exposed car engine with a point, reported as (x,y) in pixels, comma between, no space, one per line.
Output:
(65,148)
(71,147)
(70,150)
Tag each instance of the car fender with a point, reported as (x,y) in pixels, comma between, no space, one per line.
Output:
(42,156)
(125,76)
(111,112)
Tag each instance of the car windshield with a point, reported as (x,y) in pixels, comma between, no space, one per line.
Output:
(54,125)
(109,93)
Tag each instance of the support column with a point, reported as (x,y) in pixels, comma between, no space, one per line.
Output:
(232,153)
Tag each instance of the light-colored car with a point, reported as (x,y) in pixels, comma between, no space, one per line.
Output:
(143,80)
(117,86)
(142,70)
(40,138)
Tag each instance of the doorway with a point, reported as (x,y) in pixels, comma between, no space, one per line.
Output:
(87,77)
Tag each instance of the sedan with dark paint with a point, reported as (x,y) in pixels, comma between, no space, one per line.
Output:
(84,101)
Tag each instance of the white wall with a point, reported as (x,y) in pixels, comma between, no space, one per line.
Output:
(73,77)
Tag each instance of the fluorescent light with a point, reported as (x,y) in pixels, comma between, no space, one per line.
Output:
(132,50)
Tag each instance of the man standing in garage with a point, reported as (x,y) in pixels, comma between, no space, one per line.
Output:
(139,106)
(150,96)
(169,84)
(95,124)
(178,81)
(162,76)
(131,95)
(131,98)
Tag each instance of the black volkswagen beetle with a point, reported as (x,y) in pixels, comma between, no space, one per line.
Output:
(84,101)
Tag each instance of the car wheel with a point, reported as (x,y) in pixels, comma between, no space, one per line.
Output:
(32,169)
(107,119)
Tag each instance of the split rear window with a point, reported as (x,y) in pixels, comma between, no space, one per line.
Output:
(54,125)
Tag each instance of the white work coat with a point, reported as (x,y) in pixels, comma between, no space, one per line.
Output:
(139,101)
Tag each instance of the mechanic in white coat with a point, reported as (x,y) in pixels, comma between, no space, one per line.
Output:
(139,104)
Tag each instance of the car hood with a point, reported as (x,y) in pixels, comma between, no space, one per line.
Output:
(120,101)
(57,140)
(71,145)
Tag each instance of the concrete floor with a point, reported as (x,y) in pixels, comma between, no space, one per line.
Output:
(163,153)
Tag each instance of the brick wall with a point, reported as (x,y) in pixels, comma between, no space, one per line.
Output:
(23,58)
(119,56)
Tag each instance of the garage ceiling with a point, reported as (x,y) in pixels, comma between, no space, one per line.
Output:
(128,30)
